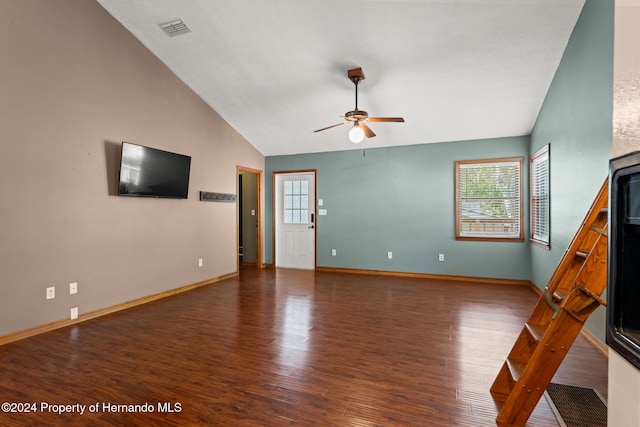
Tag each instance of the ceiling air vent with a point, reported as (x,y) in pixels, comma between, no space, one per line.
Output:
(175,28)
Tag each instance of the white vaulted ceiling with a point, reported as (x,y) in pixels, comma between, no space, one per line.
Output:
(276,70)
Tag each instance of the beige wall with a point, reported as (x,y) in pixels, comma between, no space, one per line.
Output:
(624,379)
(626,85)
(73,85)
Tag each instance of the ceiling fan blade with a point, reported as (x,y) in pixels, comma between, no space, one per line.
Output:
(386,119)
(367,130)
(329,127)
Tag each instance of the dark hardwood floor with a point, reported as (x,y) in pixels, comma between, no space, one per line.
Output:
(286,347)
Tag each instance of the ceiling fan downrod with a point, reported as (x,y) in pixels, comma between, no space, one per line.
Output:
(355,82)
(356,75)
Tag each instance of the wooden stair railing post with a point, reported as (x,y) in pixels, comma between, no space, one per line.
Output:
(572,294)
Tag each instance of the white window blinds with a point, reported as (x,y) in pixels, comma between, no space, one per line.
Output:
(539,204)
(488,199)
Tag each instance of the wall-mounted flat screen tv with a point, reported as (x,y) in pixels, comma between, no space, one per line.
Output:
(149,172)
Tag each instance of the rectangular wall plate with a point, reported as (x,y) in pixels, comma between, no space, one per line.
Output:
(217,197)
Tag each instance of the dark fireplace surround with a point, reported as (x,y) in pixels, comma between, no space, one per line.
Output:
(623,286)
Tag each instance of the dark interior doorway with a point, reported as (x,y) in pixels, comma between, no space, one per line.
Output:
(249,229)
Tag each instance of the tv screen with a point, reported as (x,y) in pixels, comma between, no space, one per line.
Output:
(149,172)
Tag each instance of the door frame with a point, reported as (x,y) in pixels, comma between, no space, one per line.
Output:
(274,200)
(259,240)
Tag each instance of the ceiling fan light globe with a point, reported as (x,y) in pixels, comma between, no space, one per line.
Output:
(356,134)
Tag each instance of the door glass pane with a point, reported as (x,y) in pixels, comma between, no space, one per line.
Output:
(296,201)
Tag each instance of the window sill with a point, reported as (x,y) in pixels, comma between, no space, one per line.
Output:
(540,244)
(491,239)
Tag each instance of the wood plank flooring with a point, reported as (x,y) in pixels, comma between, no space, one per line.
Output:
(286,347)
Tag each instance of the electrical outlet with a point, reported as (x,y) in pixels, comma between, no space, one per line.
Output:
(73,313)
(200,264)
(333,252)
(51,292)
(390,255)
(441,257)
(73,288)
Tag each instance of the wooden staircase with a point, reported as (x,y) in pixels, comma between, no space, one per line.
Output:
(572,294)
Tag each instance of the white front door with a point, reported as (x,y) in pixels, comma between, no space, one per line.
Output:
(295,220)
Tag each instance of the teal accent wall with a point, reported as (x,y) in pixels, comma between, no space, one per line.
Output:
(576,120)
(401,199)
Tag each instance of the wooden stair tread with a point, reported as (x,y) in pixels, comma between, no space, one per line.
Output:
(536,331)
(595,296)
(515,368)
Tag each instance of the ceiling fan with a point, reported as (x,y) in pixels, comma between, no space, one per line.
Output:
(360,117)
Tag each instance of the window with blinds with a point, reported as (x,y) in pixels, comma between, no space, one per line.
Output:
(539,204)
(489,199)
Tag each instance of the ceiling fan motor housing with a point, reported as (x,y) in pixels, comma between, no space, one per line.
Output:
(356,116)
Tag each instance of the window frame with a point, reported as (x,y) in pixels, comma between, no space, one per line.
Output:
(542,155)
(488,238)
